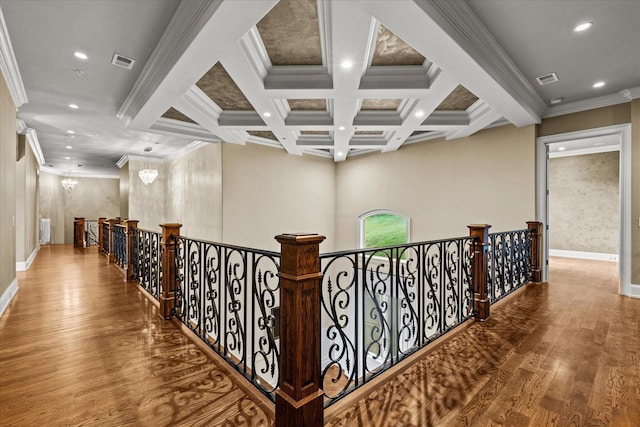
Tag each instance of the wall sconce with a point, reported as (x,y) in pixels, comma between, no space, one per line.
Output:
(148,175)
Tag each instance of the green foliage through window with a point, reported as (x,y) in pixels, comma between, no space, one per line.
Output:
(384,229)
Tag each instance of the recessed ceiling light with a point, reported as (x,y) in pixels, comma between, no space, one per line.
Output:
(341,128)
(69,147)
(556,101)
(74,106)
(266,114)
(80,55)
(598,84)
(70,132)
(346,64)
(67,158)
(339,153)
(419,113)
(583,26)
(560,148)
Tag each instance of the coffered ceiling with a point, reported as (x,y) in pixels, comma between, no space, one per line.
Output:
(314,77)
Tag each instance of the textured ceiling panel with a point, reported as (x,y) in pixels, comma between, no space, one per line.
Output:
(266,134)
(459,99)
(308,104)
(392,50)
(220,87)
(368,132)
(174,114)
(290,33)
(314,132)
(380,104)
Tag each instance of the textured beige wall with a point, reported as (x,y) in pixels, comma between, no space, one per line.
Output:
(7,187)
(27,222)
(443,185)
(267,192)
(124,191)
(584,203)
(195,189)
(635,192)
(91,199)
(598,117)
(21,191)
(147,203)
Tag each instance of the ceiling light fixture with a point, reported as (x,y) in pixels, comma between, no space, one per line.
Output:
(148,175)
(561,148)
(80,55)
(69,147)
(74,106)
(339,153)
(69,184)
(598,84)
(67,158)
(341,128)
(346,64)
(583,26)
(70,132)
(555,101)
(266,114)
(419,113)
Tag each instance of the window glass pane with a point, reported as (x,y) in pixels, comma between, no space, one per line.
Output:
(384,230)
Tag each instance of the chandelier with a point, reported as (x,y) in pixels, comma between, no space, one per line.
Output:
(148,175)
(69,184)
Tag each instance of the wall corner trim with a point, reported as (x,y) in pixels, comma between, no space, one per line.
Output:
(24,265)
(8,295)
(9,66)
(634,291)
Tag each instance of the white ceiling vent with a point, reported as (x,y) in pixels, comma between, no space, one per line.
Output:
(547,78)
(122,61)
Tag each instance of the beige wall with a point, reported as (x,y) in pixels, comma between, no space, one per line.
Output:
(590,119)
(267,192)
(584,203)
(124,191)
(27,210)
(7,187)
(635,192)
(147,203)
(91,199)
(443,185)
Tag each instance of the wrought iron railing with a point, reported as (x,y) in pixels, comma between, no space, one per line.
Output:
(380,306)
(90,232)
(120,245)
(229,297)
(509,265)
(105,238)
(147,255)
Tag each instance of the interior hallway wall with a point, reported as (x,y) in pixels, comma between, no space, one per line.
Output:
(147,203)
(7,188)
(27,207)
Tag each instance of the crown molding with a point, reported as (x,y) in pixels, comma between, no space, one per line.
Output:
(21,126)
(123,161)
(9,66)
(65,173)
(34,143)
(180,153)
(621,97)
(176,127)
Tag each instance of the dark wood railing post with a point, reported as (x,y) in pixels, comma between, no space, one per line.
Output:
(479,271)
(131,227)
(101,221)
(299,400)
(78,233)
(535,228)
(167,294)
(112,231)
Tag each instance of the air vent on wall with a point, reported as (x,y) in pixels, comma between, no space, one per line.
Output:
(122,61)
(547,78)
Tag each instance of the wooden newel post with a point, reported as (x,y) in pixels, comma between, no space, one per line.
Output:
(131,227)
(479,271)
(167,294)
(78,233)
(112,232)
(101,221)
(535,229)
(299,400)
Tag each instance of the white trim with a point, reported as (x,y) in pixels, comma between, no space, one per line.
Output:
(178,154)
(54,171)
(122,161)
(9,66)
(634,291)
(34,143)
(592,103)
(24,265)
(623,131)
(581,151)
(597,256)
(8,295)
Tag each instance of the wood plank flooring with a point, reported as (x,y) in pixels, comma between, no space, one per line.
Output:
(80,347)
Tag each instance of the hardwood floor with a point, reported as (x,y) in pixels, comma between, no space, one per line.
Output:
(80,347)
(565,353)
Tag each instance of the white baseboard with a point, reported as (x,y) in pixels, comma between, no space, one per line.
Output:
(584,255)
(634,291)
(8,295)
(24,265)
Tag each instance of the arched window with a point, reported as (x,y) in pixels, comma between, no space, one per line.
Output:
(382,227)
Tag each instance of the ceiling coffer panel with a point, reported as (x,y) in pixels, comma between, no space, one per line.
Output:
(314,132)
(290,33)
(380,104)
(368,132)
(218,85)
(174,114)
(392,50)
(266,134)
(459,99)
(307,104)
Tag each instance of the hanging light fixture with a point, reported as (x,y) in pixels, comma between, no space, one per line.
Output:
(148,175)
(69,184)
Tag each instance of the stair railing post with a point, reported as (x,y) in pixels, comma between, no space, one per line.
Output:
(101,221)
(112,231)
(131,227)
(479,271)
(168,243)
(299,400)
(78,232)
(535,228)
